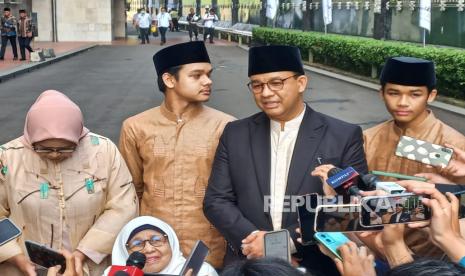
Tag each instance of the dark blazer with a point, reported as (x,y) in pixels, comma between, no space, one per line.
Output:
(240,178)
(404,217)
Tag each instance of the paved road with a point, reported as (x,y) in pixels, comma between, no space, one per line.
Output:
(111,83)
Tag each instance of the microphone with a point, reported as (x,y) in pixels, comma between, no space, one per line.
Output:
(344,182)
(134,265)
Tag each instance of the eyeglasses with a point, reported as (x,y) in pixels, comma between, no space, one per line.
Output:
(57,150)
(274,85)
(139,245)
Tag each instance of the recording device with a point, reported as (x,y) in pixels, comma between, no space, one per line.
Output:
(44,256)
(402,208)
(398,175)
(348,182)
(340,218)
(195,259)
(424,152)
(332,241)
(306,215)
(390,187)
(8,231)
(134,265)
(277,245)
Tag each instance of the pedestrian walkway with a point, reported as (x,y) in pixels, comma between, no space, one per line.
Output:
(60,48)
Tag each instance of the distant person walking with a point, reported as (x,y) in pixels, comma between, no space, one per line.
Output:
(192,19)
(144,20)
(209,29)
(8,30)
(174,17)
(24,33)
(163,23)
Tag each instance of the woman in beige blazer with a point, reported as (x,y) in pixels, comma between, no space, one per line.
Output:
(64,186)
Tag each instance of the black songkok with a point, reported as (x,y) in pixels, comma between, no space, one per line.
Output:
(275,58)
(409,71)
(180,54)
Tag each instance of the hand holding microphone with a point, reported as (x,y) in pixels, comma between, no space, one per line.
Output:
(133,267)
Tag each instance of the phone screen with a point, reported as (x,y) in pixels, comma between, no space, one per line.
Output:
(195,259)
(44,256)
(461,198)
(394,209)
(340,218)
(8,231)
(306,213)
(277,244)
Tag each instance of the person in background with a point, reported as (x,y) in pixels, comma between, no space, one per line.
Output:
(8,33)
(24,33)
(144,21)
(163,22)
(208,25)
(174,17)
(192,20)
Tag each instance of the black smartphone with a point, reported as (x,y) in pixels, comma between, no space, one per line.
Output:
(461,197)
(277,245)
(340,218)
(45,256)
(195,259)
(306,214)
(401,208)
(8,231)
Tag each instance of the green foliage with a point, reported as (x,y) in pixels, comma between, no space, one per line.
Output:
(359,54)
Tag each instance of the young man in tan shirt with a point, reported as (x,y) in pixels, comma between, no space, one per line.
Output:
(169,149)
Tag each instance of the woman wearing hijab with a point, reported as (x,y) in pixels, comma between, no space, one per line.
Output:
(158,242)
(64,186)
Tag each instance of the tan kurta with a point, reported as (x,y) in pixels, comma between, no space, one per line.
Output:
(69,217)
(380,145)
(170,160)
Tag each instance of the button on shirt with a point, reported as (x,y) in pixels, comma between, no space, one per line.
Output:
(163,19)
(282,148)
(144,20)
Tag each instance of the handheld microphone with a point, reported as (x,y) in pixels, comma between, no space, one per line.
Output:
(344,182)
(134,265)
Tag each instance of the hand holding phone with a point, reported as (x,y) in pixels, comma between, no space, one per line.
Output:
(45,256)
(332,241)
(340,218)
(277,244)
(195,260)
(306,215)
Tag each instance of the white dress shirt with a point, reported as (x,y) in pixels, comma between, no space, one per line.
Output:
(282,148)
(163,19)
(144,20)
(209,20)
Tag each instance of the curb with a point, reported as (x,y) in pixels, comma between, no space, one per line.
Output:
(444,106)
(9,74)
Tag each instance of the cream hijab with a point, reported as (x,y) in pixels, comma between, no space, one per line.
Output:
(120,253)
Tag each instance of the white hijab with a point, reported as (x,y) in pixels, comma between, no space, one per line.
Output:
(120,253)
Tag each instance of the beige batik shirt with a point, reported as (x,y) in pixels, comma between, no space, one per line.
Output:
(71,214)
(170,161)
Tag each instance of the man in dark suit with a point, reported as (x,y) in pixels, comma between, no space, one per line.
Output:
(399,216)
(263,161)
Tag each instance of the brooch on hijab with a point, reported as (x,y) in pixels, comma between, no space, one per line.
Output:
(44,188)
(90,185)
(4,170)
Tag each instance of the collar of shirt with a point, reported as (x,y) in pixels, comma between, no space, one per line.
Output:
(422,127)
(292,125)
(191,112)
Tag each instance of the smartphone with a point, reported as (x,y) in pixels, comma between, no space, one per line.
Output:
(306,215)
(277,245)
(340,218)
(424,152)
(332,241)
(401,208)
(461,197)
(8,231)
(45,256)
(195,259)
(398,176)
